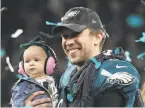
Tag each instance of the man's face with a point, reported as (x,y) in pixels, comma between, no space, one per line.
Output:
(34,59)
(79,48)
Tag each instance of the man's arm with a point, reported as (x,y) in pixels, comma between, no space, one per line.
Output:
(110,98)
(121,84)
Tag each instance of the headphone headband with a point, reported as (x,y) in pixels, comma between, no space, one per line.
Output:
(52,52)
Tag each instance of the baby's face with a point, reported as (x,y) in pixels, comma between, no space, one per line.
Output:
(34,60)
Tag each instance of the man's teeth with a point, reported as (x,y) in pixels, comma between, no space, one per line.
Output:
(73,50)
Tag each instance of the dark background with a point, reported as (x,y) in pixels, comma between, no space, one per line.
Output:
(30,15)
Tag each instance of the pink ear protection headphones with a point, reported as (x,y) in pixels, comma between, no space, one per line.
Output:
(50,63)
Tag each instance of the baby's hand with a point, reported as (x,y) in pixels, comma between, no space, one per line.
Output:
(43,102)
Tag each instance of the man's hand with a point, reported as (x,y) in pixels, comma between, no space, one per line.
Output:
(44,102)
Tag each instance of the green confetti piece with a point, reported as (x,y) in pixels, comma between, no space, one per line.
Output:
(142,39)
(140,56)
(127,54)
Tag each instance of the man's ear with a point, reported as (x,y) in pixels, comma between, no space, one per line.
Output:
(101,35)
(99,38)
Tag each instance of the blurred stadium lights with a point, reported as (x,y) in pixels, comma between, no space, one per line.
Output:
(17,33)
(135,21)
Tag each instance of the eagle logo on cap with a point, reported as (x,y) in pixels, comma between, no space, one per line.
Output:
(70,15)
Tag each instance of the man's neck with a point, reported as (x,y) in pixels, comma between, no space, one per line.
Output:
(79,65)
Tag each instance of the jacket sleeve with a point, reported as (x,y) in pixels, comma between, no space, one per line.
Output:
(109,98)
(120,85)
(17,98)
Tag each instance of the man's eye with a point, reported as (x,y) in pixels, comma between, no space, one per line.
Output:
(70,35)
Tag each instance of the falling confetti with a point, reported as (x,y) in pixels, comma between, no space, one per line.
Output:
(140,56)
(9,64)
(2,52)
(51,23)
(142,39)
(127,54)
(4,9)
(17,33)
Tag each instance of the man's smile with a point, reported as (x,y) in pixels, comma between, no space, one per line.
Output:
(73,51)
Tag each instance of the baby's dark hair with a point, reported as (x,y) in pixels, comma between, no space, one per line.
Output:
(38,42)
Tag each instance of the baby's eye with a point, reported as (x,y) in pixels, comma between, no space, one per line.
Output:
(27,61)
(36,60)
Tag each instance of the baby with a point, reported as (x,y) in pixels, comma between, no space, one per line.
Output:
(38,62)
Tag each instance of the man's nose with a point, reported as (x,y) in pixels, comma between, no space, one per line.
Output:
(70,41)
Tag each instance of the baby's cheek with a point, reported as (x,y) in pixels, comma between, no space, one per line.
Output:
(26,70)
(42,66)
(25,66)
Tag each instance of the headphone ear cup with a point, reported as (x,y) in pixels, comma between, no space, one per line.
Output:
(50,65)
(21,70)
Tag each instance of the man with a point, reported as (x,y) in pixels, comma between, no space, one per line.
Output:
(101,78)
